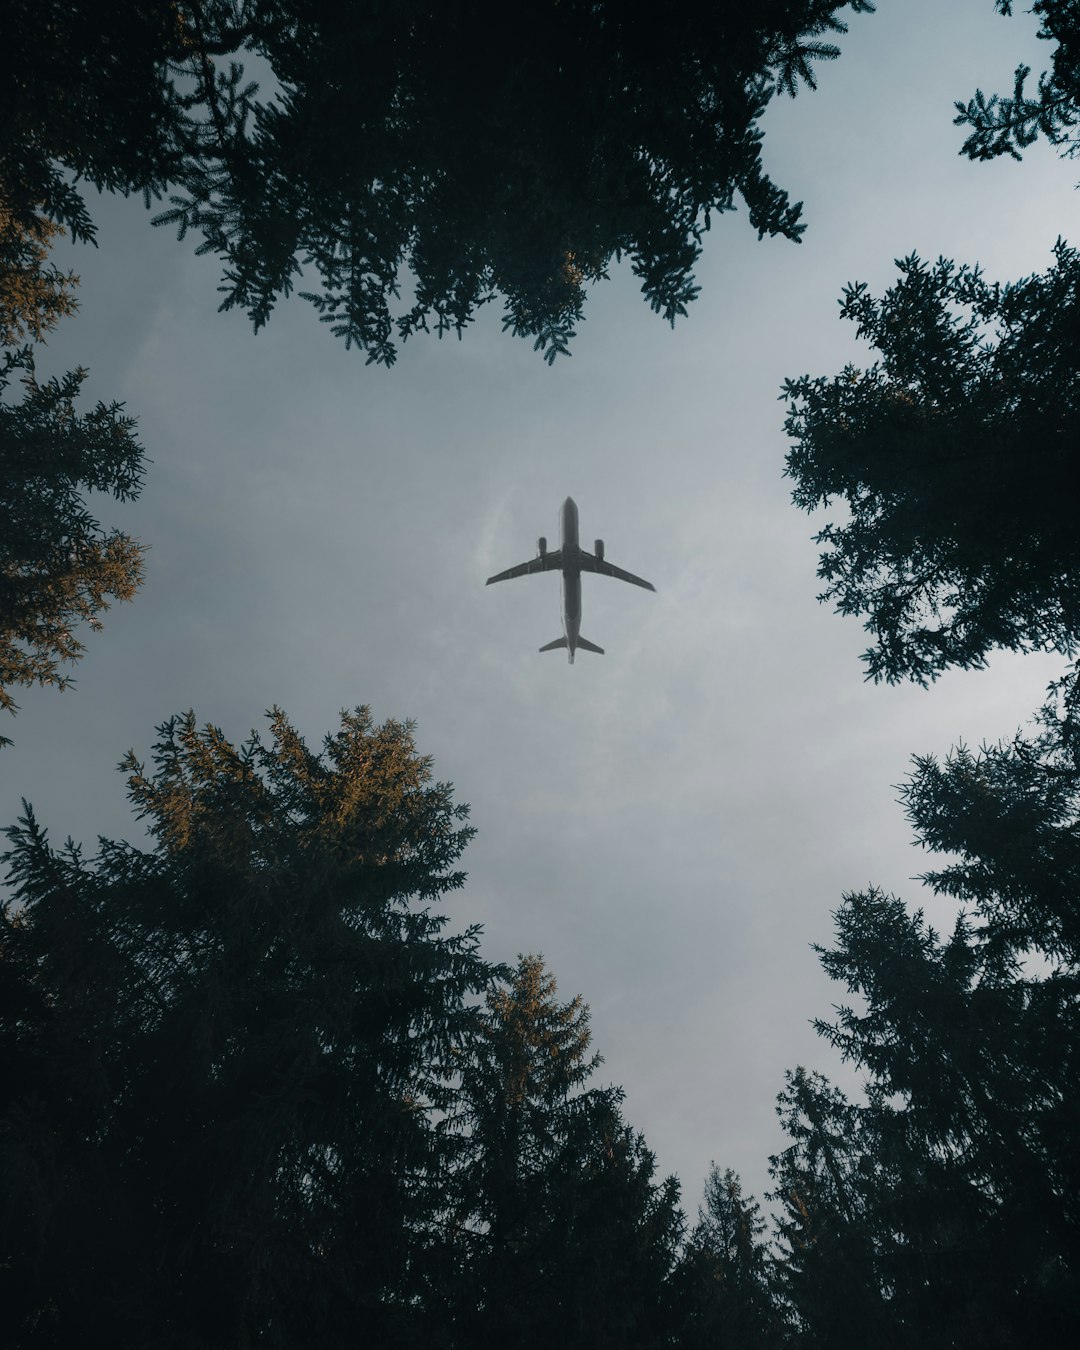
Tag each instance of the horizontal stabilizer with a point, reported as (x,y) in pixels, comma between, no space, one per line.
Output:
(587,646)
(554,646)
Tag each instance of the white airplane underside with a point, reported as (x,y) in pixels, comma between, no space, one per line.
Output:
(571,560)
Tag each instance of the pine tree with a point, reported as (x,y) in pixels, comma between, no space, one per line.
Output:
(947,1202)
(58,567)
(493,152)
(225,1058)
(725,1296)
(954,452)
(570,1241)
(954,455)
(827,1268)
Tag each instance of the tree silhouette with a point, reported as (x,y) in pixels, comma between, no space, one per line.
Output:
(494,152)
(225,1058)
(725,1277)
(58,567)
(946,1203)
(954,455)
(571,1240)
(827,1268)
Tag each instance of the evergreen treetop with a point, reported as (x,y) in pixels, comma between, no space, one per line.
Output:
(954,454)
(571,1241)
(226,1057)
(941,1209)
(58,566)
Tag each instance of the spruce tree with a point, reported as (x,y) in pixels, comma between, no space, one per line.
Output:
(494,152)
(570,1240)
(725,1279)
(58,567)
(226,1055)
(954,456)
(946,1202)
(954,453)
(826,1268)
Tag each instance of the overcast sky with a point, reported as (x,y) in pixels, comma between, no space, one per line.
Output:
(670,824)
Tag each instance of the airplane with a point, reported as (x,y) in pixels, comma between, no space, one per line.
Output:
(571,560)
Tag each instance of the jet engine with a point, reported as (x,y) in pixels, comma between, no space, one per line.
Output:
(600,549)
(541,546)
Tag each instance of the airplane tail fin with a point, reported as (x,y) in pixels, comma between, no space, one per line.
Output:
(582,643)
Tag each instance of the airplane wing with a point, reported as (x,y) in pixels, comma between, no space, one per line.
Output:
(549,562)
(591,563)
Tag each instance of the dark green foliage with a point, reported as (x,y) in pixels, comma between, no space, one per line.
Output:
(1006,126)
(87,90)
(955,455)
(57,565)
(494,150)
(946,1204)
(570,1241)
(826,1270)
(1011,815)
(34,293)
(725,1275)
(246,1094)
(224,1059)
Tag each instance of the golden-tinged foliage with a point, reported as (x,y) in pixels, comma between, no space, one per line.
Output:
(58,567)
(34,295)
(43,601)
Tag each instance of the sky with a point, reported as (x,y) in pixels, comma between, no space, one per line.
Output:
(671,824)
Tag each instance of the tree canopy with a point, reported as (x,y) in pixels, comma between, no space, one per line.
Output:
(942,1210)
(58,566)
(249,1091)
(571,1241)
(254,1087)
(954,454)
(495,152)
(726,1282)
(225,1057)
(955,457)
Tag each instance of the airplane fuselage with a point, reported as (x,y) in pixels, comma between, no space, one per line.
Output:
(571,575)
